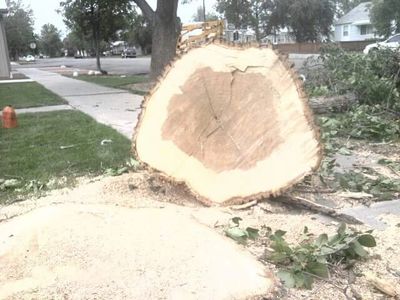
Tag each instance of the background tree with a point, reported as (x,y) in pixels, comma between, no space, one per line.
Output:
(166,29)
(19,29)
(246,13)
(50,40)
(139,32)
(98,19)
(309,20)
(259,18)
(199,15)
(385,15)
(74,42)
(236,12)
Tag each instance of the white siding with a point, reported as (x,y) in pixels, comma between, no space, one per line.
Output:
(354,33)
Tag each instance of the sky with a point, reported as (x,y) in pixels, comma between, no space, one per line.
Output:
(44,12)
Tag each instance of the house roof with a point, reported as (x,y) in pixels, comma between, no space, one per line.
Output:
(357,14)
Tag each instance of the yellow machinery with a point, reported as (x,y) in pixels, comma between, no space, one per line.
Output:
(195,34)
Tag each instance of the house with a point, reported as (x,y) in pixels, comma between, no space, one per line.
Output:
(118,46)
(280,36)
(4,59)
(355,25)
(239,35)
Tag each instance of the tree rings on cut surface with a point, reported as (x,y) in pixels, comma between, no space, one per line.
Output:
(232,124)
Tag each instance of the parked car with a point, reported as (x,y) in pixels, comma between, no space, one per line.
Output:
(129,52)
(393,43)
(78,55)
(30,58)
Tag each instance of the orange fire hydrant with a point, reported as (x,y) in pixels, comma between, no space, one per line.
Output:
(9,117)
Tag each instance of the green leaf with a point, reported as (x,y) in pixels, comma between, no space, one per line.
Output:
(252,233)
(281,246)
(133,163)
(342,229)
(367,240)
(303,280)
(277,257)
(308,281)
(280,233)
(344,151)
(236,220)
(287,278)
(321,240)
(318,269)
(122,170)
(334,239)
(358,249)
(237,234)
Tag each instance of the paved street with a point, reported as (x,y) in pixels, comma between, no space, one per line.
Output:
(117,65)
(114,65)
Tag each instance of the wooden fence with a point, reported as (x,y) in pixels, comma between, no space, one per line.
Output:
(312,48)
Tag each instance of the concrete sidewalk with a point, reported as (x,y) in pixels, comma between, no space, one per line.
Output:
(113,107)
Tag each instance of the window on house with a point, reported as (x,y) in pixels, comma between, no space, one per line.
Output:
(346,30)
(366,29)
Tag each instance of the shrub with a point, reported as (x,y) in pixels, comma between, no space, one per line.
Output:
(374,78)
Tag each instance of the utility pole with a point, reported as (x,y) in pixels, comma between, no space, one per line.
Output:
(4,58)
(204,10)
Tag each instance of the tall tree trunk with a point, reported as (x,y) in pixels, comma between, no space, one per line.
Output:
(96,49)
(96,35)
(165,35)
(166,30)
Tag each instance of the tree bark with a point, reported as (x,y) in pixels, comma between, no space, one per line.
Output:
(95,28)
(338,103)
(146,9)
(165,32)
(165,36)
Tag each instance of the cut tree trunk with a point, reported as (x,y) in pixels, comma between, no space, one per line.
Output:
(338,103)
(232,124)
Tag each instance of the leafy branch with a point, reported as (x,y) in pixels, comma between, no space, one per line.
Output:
(302,263)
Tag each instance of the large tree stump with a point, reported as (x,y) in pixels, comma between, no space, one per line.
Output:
(232,124)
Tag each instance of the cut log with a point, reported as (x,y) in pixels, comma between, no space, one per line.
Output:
(337,103)
(233,124)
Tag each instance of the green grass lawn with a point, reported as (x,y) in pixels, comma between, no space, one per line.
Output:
(28,94)
(48,146)
(116,81)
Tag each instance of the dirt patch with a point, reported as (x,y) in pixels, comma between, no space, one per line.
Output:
(65,70)
(17,76)
(143,87)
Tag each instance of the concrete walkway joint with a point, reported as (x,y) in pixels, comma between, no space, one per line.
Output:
(113,107)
